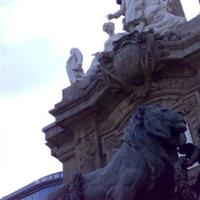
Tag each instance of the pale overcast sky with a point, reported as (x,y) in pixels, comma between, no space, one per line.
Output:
(35,39)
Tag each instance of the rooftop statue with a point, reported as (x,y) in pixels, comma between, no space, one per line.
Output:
(143,15)
(133,13)
(74,66)
(143,167)
(109,28)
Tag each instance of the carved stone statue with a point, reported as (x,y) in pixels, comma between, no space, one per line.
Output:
(109,28)
(133,13)
(143,167)
(143,15)
(159,18)
(74,66)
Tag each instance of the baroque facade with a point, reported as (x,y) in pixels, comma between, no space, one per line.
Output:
(90,118)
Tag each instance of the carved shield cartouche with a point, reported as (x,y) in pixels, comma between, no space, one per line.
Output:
(128,64)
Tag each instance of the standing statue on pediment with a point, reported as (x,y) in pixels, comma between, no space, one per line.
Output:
(133,14)
(109,28)
(74,66)
(144,15)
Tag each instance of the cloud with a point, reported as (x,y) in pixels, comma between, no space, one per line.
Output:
(23,154)
(37,36)
(30,64)
(191,9)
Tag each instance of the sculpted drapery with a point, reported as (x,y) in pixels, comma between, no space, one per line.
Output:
(74,65)
(143,15)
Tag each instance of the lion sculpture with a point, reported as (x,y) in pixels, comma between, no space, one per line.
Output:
(143,166)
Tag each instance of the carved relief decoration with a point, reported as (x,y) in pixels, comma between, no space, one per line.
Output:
(180,84)
(192,110)
(137,59)
(80,144)
(85,146)
(64,152)
(110,144)
(112,128)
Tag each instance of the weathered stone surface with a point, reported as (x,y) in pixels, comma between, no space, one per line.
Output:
(94,111)
(146,159)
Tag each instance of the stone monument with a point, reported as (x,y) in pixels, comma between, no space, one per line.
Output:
(142,69)
(146,159)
